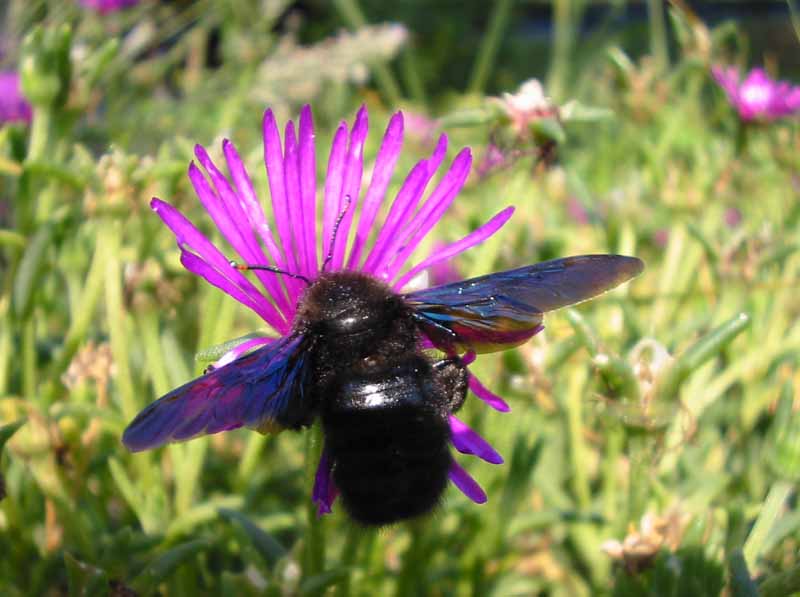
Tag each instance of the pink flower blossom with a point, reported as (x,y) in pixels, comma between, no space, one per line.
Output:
(108,6)
(296,245)
(13,105)
(758,97)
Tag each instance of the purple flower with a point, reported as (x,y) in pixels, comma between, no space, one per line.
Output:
(758,97)
(733,217)
(13,105)
(493,159)
(443,272)
(297,246)
(108,6)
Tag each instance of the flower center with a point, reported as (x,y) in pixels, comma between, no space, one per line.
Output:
(756,96)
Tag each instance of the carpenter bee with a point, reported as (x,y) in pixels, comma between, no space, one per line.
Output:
(357,359)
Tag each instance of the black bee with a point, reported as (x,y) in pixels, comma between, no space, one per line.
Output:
(355,359)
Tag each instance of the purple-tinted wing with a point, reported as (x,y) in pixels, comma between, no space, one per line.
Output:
(264,390)
(504,309)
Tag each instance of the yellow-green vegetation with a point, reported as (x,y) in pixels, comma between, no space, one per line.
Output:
(654,443)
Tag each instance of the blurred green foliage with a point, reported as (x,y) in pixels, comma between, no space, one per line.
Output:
(653,445)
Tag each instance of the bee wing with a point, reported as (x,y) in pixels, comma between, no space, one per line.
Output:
(504,309)
(264,390)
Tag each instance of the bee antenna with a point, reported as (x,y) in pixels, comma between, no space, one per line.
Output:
(269,268)
(329,257)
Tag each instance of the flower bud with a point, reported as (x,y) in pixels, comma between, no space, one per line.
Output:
(45,66)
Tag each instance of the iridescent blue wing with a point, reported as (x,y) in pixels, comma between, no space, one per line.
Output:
(504,309)
(266,390)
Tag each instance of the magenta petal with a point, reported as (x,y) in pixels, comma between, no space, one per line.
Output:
(757,97)
(430,213)
(190,237)
(258,222)
(474,238)
(468,486)
(487,396)
(238,350)
(325,491)
(728,79)
(333,187)
(407,199)
(294,203)
(273,160)
(215,206)
(793,99)
(467,441)
(308,189)
(250,202)
(381,176)
(354,168)
(225,208)
(469,357)
(13,105)
(438,154)
(200,267)
(405,202)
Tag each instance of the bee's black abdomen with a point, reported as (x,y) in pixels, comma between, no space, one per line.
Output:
(388,436)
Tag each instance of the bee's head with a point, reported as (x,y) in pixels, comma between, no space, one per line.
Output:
(349,309)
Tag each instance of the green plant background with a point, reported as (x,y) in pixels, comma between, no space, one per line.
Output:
(672,398)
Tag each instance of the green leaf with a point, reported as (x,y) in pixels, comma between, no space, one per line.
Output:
(468,118)
(84,579)
(781,584)
(213,353)
(575,111)
(7,431)
(265,544)
(315,585)
(696,355)
(741,583)
(549,129)
(165,564)
(31,269)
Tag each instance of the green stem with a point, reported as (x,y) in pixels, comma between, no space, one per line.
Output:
(349,553)
(696,355)
(116,319)
(251,458)
(770,511)
(742,584)
(795,15)
(153,350)
(40,134)
(29,358)
(615,438)
(498,22)
(742,138)
(315,543)
(411,75)
(5,354)
(40,150)
(352,14)
(87,303)
(658,34)
(412,575)
(578,452)
(563,31)
(189,458)
(638,475)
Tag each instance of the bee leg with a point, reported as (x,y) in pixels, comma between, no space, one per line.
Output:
(451,374)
